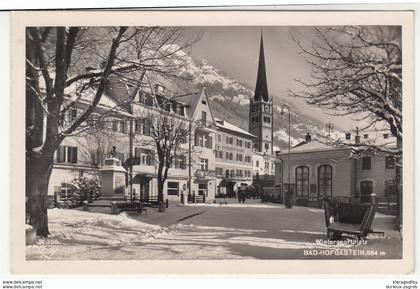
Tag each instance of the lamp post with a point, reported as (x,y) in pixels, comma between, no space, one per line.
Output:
(288,151)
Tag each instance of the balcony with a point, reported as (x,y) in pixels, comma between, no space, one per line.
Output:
(205,126)
(204,175)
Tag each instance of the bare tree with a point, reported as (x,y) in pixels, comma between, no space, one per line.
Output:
(65,65)
(167,129)
(357,71)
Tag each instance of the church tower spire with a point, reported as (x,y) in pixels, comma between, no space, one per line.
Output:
(261,88)
(261,109)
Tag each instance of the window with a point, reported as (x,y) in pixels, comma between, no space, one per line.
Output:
(257,164)
(231,156)
(67,154)
(267,165)
(146,99)
(115,125)
(266,146)
(302,181)
(254,119)
(123,126)
(366,163)
(147,157)
(239,142)
(137,126)
(147,127)
(173,189)
(248,159)
(229,140)
(220,154)
(219,138)
(325,180)
(179,162)
(267,119)
(239,157)
(203,140)
(204,117)
(204,164)
(389,162)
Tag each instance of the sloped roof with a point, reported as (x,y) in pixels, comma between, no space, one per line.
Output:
(228,126)
(190,101)
(312,146)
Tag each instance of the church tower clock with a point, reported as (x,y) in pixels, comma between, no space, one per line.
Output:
(261,109)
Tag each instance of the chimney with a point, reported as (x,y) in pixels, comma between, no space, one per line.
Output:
(308,137)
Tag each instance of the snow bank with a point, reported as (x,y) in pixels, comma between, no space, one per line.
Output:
(217,205)
(80,235)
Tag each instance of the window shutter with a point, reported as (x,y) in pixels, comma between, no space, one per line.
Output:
(74,155)
(210,143)
(184,162)
(196,140)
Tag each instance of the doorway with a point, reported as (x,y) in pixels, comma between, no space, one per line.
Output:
(366,189)
(202,189)
(144,189)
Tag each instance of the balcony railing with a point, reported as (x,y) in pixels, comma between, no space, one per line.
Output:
(203,174)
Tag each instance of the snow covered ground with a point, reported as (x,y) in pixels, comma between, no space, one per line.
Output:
(80,235)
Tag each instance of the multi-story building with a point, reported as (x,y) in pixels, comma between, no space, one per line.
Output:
(233,154)
(215,156)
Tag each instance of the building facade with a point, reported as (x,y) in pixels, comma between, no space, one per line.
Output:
(214,158)
(234,156)
(314,170)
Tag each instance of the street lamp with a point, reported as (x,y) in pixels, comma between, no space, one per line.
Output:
(283,106)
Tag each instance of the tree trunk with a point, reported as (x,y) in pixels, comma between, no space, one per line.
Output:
(38,172)
(161,184)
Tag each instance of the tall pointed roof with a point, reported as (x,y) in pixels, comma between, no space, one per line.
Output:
(261,89)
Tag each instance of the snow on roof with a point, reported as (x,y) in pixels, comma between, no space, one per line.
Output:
(228,126)
(311,146)
(106,102)
(190,101)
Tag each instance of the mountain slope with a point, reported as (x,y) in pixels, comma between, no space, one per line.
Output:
(230,101)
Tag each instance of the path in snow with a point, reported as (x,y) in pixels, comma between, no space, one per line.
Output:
(79,235)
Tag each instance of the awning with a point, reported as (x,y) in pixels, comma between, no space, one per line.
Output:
(145,175)
(225,181)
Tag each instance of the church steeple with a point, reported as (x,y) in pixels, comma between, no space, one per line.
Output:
(261,110)
(261,89)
